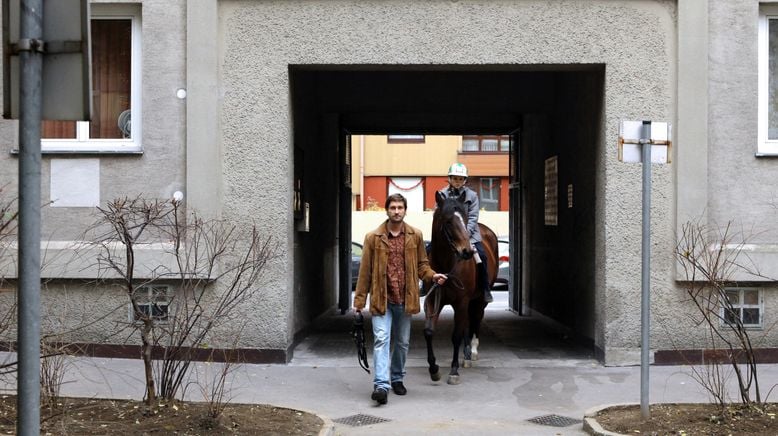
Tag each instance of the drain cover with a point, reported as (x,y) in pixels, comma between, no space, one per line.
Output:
(554,420)
(360,420)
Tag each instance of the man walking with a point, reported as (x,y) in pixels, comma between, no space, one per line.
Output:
(393,260)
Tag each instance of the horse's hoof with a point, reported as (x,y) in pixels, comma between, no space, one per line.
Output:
(467,363)
(435,376)
(453,380)
(474,355)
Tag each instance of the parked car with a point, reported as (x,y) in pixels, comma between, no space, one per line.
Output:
(503,273)
(356,260)
(503,253)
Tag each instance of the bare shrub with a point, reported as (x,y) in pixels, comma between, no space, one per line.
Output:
(215,267)
(710,260)
(52,373)
(212,381)
(8,309)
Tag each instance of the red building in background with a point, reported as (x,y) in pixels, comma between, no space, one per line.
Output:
(417,165)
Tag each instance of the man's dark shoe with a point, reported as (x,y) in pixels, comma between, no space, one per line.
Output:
(399,388)
(488,295)
(379,395)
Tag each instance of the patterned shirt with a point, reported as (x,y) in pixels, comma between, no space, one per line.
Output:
(395,268)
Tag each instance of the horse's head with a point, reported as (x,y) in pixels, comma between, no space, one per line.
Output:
(449,226)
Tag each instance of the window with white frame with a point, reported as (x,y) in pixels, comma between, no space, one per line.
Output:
(745,304)
(153,301)
(116,88)
(489,193)
(768,80)
(486,143)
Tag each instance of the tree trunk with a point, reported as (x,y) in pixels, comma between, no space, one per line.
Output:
(146,352)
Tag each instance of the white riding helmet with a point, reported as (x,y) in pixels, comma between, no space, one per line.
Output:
(457,169)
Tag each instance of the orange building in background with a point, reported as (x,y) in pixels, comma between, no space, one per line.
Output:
(417,166)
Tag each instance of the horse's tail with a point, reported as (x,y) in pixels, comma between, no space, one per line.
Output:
(489,242)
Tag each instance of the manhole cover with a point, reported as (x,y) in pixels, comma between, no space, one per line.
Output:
(360,419)
(554,420)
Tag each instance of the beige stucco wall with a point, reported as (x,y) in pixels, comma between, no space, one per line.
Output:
(155,174)
(260,39)
(228,146)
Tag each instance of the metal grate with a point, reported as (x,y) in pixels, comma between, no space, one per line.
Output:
(360,420)
(555,420)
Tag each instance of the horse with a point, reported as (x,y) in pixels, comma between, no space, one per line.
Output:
(451,253)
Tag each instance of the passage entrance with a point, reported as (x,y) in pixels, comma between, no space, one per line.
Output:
(553,115)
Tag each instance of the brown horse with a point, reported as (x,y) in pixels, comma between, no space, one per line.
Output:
(451,253)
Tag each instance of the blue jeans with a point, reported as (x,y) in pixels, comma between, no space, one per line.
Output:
(394,327)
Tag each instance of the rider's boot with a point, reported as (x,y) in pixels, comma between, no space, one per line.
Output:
(484,282)
(488,295)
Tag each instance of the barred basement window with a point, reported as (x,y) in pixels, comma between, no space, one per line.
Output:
(153,301)
(747,305)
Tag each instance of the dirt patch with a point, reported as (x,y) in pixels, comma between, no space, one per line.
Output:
(691,419)
(82,416)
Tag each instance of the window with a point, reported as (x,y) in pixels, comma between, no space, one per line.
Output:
(745,304)
(405,139)
(488,143)
(153,301)
(489,193)
(768,80)
(115,125)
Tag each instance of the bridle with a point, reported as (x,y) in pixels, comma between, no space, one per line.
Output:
(358,333)
(451,279)
(450,240)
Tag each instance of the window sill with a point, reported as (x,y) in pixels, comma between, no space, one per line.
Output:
(768,155)
(88,151)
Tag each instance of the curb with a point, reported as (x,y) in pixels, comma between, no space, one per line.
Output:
(590,424)
(328,429)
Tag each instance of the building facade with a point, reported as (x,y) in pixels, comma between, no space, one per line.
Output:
(417,166)
(247,107)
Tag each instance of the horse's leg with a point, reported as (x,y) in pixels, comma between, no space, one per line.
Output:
(431,319)
(460,326)
(468,349)
(476,314)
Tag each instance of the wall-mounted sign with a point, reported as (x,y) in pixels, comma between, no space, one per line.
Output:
(630,148)
(550,192)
